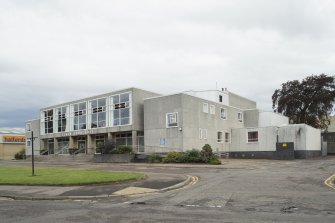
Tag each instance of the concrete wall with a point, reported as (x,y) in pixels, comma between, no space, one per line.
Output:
(211,95)
(240,102)
(35,127)
(272,119)
(191,120)
(267,138)
(251,118)
(156,136)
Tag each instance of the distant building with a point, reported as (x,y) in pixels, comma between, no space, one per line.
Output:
(11,142)
(329,136)
(154,123)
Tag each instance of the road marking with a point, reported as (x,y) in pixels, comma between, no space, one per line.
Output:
(329,182)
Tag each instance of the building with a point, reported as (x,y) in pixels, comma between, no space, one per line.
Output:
(231,124)
(84,125)
(328,136)
(154,123)
(12,141)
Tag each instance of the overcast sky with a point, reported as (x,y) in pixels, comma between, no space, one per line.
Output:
(55,51)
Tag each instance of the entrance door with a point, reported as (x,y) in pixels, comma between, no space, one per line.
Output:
(81,146)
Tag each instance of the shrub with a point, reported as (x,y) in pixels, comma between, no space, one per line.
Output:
(122,150)
(206,153)
(155,158)
(174,157)
(193,156)
(20,155)
(214,161)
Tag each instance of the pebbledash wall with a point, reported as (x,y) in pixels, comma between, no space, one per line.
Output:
(153,123)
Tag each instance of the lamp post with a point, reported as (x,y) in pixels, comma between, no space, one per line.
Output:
(32,153)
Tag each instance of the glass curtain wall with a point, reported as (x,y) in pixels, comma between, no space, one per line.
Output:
(61,118)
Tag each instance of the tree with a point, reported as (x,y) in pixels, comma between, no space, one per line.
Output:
(309,101)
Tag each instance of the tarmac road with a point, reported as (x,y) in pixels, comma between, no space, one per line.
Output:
(238,191)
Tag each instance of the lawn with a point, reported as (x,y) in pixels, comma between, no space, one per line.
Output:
(55,176)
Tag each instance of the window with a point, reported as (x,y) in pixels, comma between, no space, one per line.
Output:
(253,136)
(48,121)
(220,98)
(28,126)
(99,143)
(227,137)
(172,120)
(61,118)
(28,142)
(212,109)
(123,139)
(204,133)
(98,112)
(205,107)
(223,113)
(79,121)
(121,109)
(240,116)
(220,137)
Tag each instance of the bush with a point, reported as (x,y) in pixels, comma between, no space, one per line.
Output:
(122,150)
(206,153)
(214,161)
(155,158)
(174,157)
(20,155)
(192,156)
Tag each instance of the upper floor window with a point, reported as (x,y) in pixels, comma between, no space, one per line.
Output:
(220,98)
(61,114)
(223,113)
(48,121)
(212,109)
(205,107)
(240,116)
(79,120)
(253,136)
(172,120)
(121,109)
(98,112)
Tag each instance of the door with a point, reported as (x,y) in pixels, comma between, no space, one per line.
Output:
(81,146)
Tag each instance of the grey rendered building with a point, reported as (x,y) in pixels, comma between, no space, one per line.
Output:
(152,123)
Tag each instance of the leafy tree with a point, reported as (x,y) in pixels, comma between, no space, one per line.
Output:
(308,101)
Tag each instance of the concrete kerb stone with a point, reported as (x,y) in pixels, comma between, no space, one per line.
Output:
(187,181)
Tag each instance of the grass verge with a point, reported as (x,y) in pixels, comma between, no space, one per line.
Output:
(55,176)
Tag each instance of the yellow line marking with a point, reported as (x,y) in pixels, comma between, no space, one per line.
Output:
(329,181)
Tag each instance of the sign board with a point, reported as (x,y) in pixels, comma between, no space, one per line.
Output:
(14,139)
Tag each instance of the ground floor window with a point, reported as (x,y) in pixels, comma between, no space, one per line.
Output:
(99,143)
(220,137)
(253,136)
(51,146)
(123,139)
(63,146)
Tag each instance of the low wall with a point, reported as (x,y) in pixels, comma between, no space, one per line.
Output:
(113,158)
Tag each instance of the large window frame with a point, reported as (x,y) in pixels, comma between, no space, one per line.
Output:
(172,120)
(121,109)
(61,118)
(79,115)
(47,119)
(98,113)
